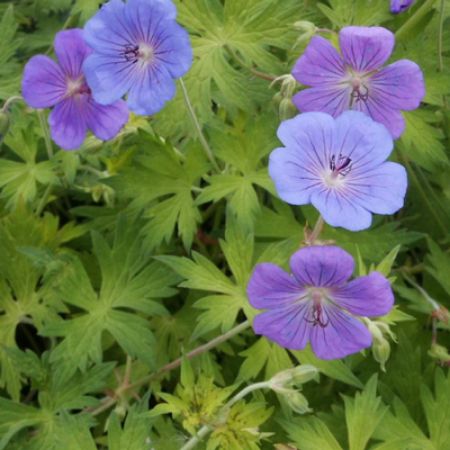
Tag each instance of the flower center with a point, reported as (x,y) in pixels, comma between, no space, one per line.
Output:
(142,53)
(360,88)
(339,168)
(318,317)
(77,87)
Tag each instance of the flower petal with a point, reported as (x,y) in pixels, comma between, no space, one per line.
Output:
(381,112)
(271,287)
(108,77)
(294,180)
(342,336)
(106,121)
(365,141)
(108,31)
(321,266)
(366,296)
(398,6)
(173,49)
(399,85)
(71,50)
(151,89)
(67,124)
(381,190)
(156,7)
(320,63)
(366,48)
(285,326)
(43,83)
(331,99)
(339,210)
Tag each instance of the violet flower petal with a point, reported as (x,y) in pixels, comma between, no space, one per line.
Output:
(321,266)
(398,6)
(67,123)
(366,48)
(286,326)
(342,336)
(71,50)
(369,296)
(320,63)
(105,121)
(399,85)
(271,287)
(43,83)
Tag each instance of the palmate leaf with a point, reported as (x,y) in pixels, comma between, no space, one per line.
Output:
(129,285)
(21,292)
(161,185)
(201,274)
(20,180)
(250,29)
(362,415)
(51,422)
(242,148)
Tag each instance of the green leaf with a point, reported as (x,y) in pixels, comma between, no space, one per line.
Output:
(128,281)
(311,434)
(362,414)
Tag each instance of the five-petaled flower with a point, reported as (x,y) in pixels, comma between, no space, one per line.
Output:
(398,6)
(46,84)
(355,79)
(338,165)
(139,49)
(317,303)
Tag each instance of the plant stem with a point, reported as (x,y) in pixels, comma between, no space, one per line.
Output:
(201,136)
(43,200)
(44,126)
(311,238)
(403,31)
(206,429)
(10,101)
(107,402)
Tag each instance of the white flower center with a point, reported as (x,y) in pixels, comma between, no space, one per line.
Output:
(146,53)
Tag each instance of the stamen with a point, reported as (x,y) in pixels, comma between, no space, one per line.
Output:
(343,166)
(317,312)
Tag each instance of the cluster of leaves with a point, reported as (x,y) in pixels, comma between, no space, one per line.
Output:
(122,257)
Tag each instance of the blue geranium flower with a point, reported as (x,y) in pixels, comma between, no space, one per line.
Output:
(138,49)
(338,165)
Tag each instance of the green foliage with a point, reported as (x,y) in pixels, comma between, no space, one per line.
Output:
(93,242)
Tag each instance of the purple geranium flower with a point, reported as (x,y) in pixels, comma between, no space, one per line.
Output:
(398,6)
(338,165)
(356,80)
(62,85)
(317,303)
(138,49)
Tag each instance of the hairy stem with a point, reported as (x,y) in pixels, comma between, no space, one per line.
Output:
(201,136)
(312,237)
(108,402)
(10,101)
(206,429)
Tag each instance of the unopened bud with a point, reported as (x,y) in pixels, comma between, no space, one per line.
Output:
(440,353)
(297,402)
(381,350)
(287,109)
(292,377)
(307,31)
(288,84)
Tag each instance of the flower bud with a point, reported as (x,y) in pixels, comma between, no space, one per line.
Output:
(284,380)
(297,402)
(440,353)
(288,84)
(307,31)
(381,350)
(287,109)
